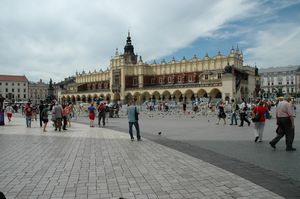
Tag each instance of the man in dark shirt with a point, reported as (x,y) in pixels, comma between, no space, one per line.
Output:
(41,107)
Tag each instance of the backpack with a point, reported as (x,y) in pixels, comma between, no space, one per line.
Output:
(237,107)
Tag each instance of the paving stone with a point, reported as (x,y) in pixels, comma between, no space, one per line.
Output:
(90,163)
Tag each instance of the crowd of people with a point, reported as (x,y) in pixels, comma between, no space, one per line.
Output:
(256,114)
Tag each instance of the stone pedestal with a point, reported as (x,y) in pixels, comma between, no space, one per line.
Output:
(228,86)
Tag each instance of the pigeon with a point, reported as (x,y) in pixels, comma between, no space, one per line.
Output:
(159,133)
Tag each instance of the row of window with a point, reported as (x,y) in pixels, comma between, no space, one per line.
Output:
(288,90)
(6,84)
(279,83)
(12,96)
(13,90)
(171,79)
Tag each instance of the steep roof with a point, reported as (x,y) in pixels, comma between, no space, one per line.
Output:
(14,78)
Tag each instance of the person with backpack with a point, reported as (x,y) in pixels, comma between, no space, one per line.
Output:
(234,109)
(133,120)
(44,116)
(243,113)
(101,113)
(258,117)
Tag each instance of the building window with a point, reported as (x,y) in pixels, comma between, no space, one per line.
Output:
(12,84)
(18,84)
(24,90)
(152,80)
(287,82)
(287,90)
(6,84)
(219,75)
(0,83)
(292,82)
(169,79)
(268,83)
(279,83)
(206,77)
(292,90)
(6,90)
(179,79)
(160,80)
(190,78)
(24,84)
(12,90)
(18,96)
(272,83)
(18,90)
(24,96)
(134,81)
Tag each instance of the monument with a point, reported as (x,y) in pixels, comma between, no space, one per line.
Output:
(51,95)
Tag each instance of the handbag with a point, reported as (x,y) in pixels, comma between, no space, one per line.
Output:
(136,114)
(256,117)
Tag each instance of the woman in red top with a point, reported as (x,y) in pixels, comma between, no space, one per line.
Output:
(261,110)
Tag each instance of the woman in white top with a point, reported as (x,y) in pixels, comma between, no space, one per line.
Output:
(9,111)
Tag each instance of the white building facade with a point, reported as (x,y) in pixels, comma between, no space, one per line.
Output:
(38,91)
(279,81)
(14,88)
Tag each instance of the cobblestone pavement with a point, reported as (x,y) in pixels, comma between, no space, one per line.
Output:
(229,147)
(85,162)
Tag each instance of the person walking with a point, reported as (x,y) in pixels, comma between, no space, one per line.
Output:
(285,122)
(234,109)
(57,114)
(101,113)
(65,114)
(91,110)
(9,112)
(41,107)
(243,113)
(28,114)
(132,113)
(259,113)
(221,112)
(44,116)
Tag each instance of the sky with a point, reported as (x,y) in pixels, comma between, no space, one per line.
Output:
(45,39)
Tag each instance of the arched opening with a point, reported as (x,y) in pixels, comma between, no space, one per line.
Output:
(89,99)
(215,93)
(83,98)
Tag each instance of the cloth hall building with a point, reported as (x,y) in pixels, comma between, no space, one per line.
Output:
(128,77)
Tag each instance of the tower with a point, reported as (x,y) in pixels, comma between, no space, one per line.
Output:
(129,56)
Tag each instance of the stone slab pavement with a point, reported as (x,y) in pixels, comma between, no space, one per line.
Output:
(229,147)
(85,162)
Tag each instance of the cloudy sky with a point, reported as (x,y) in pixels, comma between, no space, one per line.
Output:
(45,39)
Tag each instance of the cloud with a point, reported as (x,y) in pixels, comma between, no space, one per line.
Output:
(276,45)
(44,39)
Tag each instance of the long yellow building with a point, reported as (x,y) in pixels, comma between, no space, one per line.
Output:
(128,77)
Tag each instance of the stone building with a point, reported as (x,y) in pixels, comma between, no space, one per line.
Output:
(14,88)
(38,91)
(279,81)
(128,77)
